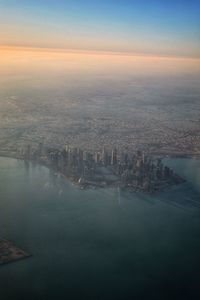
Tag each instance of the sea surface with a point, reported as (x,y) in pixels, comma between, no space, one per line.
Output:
(99,243)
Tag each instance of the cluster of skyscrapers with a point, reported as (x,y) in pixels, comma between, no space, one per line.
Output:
(135,170)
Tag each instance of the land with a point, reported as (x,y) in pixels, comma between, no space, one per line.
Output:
(11,253)
(135,171)
(160,115)
(132,170)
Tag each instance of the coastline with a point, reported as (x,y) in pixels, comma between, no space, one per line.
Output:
(89,184)
(10,253)
(156,154)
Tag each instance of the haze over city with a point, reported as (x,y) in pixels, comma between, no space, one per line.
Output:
(99,149)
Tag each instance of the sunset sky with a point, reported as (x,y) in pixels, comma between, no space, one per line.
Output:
(154,27)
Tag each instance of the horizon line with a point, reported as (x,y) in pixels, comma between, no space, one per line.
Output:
(96,52)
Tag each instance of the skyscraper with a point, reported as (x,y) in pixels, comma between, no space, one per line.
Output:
(114,157)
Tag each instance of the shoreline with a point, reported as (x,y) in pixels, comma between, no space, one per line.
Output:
(10,253)
(156,154)
(163,185)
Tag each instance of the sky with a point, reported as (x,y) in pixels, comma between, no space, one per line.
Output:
(152,27)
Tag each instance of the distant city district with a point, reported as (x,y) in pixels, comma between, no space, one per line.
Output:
(135,171)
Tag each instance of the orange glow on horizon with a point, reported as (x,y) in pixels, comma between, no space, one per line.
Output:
(92,52)
(73,60)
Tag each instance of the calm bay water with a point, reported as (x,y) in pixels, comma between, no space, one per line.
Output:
(99,244)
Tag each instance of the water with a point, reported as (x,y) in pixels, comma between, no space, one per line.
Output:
(99,244)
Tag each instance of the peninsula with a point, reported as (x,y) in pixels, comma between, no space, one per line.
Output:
(132,170)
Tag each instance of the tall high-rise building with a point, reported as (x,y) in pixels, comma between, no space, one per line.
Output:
(40,149)
(28,152)
(70,157)
(97,157)
(104,156)
(80,157)
(114,157)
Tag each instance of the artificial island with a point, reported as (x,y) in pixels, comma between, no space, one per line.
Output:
(11,253)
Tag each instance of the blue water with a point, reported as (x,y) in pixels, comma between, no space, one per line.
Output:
(99,244)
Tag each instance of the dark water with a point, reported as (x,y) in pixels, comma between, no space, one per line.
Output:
(97,244)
